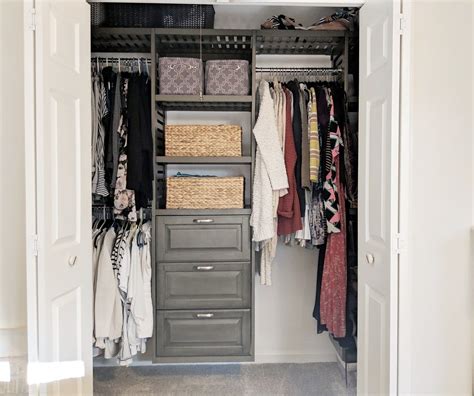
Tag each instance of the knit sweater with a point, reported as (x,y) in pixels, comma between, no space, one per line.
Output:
(270,172)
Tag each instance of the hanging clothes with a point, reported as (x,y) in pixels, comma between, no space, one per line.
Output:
(314,145)
(108,306)
(293,86)
(270,179)
(270,174)
(305,174)
(124,198)
(289,214)
(99,111)
(334,281)
(113,152)
(140,143)
(123,313)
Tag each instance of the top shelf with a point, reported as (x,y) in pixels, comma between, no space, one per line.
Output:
(121,39)
(303,42)
(218,43)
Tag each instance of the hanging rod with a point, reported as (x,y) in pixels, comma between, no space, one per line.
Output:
(121,55)
(298,70)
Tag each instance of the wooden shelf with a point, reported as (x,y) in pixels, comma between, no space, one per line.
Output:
(204,160)
(203,212)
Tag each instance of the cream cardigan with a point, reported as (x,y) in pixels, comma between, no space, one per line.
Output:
(270,171)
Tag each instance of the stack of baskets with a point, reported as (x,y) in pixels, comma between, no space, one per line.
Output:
(204,192)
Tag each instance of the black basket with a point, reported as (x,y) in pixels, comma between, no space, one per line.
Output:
(159,15)
(184,16)
(132,15)
(97,14)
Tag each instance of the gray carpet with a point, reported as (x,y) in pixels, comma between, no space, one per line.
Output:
(229,379)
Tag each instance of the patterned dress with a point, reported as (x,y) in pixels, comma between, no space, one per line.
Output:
(124,199)
(334,281)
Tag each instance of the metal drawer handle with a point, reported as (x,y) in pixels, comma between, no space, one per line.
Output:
(203,221)
(205,267)
(204,315)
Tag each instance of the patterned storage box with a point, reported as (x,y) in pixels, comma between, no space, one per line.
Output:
(205,192)
(203,140)
(227,77)
(180,76)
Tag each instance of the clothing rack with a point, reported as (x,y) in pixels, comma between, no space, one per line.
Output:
(121,55)
(315,70)
(126,59)
(324,73)
(107,212)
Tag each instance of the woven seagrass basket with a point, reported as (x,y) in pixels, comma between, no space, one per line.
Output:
(205,192)
(203,140)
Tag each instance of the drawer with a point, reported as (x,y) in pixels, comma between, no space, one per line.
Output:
(203,333)
(204,285)
(202,238)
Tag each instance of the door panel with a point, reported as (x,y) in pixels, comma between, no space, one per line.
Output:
(63,123)
(378,194)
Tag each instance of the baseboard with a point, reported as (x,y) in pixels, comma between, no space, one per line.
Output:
(13,342)
(259,358)
(296,358)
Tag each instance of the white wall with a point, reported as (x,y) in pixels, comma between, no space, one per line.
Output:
(12,198)
(436,321)
(250,17)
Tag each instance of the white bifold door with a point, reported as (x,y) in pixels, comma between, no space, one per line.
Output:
(378,197)
(63,199)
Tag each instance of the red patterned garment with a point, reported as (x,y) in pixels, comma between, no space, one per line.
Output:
(289,214)
(334,282)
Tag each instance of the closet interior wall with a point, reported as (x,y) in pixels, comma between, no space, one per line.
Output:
(284,329)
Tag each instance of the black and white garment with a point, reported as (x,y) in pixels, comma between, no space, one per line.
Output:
(124,199)
(100,111)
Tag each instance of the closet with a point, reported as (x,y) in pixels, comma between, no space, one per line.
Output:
(203,254)
(204,263)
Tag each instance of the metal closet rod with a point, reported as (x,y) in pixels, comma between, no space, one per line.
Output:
(120,55)
(298,69)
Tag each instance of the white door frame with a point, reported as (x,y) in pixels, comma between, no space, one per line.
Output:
(404,182)
(30,187)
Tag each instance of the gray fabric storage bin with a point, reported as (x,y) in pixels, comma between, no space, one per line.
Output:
(180,76)
(227,77)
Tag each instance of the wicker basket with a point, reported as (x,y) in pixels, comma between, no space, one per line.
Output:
(203,140)
(205,192)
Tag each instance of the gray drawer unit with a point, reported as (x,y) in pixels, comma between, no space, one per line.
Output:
(203,333)
(204,285)
(202,238)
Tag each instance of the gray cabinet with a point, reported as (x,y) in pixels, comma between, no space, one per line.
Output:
(202,238)
(204,285)
(203,333)
(203,261)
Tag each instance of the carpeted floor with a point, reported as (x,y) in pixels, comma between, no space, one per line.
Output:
(227,379)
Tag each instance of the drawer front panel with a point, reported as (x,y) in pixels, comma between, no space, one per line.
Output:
(203,238)
(203,333)
(204,285)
